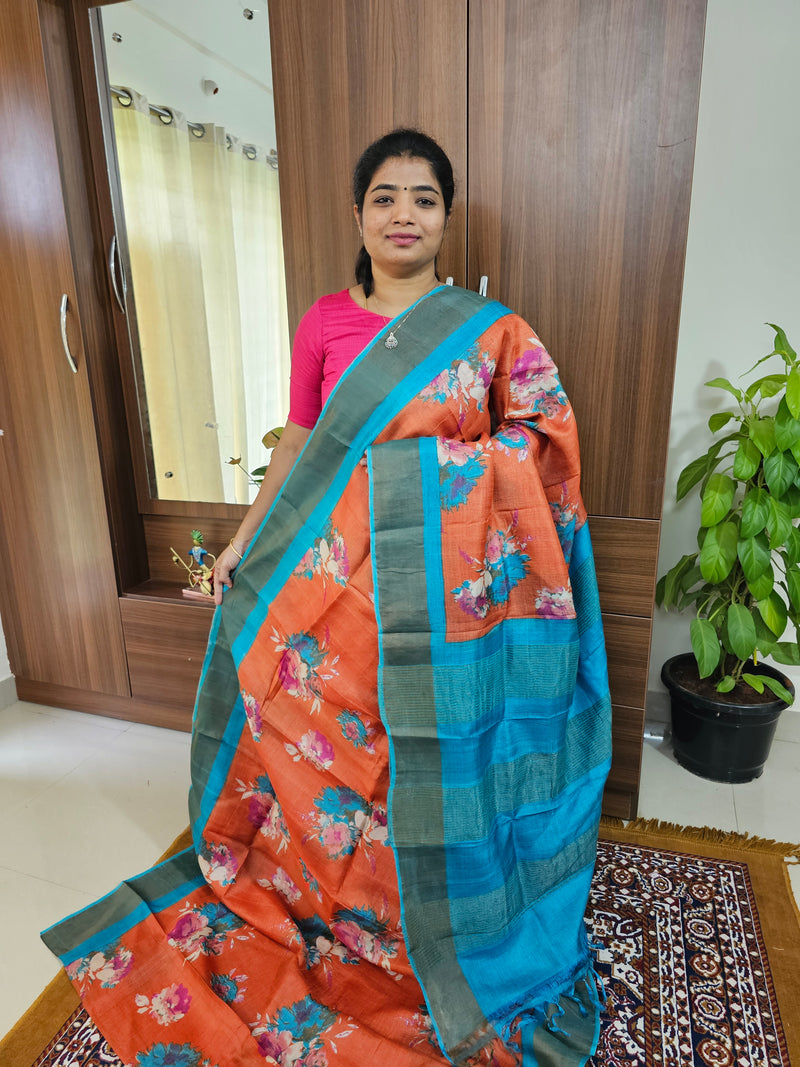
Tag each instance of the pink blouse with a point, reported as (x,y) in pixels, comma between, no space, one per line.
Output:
(329,337)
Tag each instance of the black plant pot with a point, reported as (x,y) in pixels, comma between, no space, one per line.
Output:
(716,739)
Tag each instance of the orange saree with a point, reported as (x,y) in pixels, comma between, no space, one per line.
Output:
(400,742)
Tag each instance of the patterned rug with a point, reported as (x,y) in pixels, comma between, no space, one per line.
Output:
(684,960)
(686,971)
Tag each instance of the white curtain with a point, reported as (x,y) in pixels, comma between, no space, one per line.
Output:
(202,216)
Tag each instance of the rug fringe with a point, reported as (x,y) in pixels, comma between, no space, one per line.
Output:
(744,842)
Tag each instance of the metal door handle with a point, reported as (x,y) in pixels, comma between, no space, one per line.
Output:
(112,270)
(483,288)
(64,339)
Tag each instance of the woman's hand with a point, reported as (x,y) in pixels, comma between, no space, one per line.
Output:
(227,562)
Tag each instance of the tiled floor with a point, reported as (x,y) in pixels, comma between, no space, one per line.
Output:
(88,801)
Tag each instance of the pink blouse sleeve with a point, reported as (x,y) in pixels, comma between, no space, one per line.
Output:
(308,357)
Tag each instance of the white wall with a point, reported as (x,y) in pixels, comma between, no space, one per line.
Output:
(5,669)
(8,689)
(743,253)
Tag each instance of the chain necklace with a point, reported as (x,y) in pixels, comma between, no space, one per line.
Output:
(391,341)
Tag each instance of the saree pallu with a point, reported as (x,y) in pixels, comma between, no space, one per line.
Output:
(400,741)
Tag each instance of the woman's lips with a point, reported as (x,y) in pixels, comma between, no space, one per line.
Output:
(403,238)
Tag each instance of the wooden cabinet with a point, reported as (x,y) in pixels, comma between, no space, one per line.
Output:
(571,127)
(58,586)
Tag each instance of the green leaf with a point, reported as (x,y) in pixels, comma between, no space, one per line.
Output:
(661,585)
(765,638)
(767,386)
(754,556)
(746,460)
(787,427)
(717,612)
(780,691)
(755,511)
(690,600)
(755,681)
(773,612)
(741,631)
(792,553)
(726,684)
(780,471)
(717,499)
(793,587)
(791,498)
(720,419)
(793,392)
(673,579)
(762,432)
(786,652)
(718,553)
(723,383)
(782,346)
(762,586)
(705,645)
(691,577)
(695,471)
(779,523)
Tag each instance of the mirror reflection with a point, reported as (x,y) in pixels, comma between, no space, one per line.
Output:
(191,144)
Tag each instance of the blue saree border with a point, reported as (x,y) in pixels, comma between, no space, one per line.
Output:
(462,975)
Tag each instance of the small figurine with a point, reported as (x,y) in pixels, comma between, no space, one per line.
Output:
(201,575)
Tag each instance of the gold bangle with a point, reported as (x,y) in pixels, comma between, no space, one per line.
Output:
(235,549)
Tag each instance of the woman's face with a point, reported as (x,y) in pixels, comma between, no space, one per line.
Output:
(403,218)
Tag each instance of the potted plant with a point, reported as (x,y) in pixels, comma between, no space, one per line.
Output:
(743,582)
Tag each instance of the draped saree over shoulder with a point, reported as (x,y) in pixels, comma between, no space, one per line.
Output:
(399,745)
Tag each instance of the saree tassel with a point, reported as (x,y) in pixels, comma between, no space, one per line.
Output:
(551,1023)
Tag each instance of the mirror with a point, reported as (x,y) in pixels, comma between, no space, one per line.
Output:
(198,263)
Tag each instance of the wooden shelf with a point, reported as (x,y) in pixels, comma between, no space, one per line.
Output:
(159,589)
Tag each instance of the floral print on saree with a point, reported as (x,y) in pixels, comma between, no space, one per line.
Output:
(292,952)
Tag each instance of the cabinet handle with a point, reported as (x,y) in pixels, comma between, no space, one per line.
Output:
(483,288)
(64,339)
(112,270)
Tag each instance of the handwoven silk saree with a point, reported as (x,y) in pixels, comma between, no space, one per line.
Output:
(400,742)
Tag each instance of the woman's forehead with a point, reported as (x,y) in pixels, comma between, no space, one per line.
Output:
(405,171)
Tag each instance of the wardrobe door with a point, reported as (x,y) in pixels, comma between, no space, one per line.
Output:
(582,130)
(57,584)
(582,120)
(345,72)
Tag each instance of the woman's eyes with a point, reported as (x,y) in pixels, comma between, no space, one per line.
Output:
(423,201)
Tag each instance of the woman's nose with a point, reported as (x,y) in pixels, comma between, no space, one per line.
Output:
(404,210)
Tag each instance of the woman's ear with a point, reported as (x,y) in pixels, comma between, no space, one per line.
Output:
(357,217)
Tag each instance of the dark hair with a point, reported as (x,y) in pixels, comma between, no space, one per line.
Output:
(404,142)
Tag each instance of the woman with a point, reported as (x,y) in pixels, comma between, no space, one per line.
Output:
(402,728)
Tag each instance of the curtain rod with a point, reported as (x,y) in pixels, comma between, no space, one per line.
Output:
(249,150)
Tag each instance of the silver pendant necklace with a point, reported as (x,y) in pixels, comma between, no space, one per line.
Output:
(390,341)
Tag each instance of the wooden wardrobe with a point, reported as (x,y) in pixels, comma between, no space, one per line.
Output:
(571,127)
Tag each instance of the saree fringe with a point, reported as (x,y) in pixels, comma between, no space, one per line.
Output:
(742,841)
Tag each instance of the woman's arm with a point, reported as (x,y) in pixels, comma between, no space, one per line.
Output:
(283,459)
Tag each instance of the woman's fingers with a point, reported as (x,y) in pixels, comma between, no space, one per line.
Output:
(223,573)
